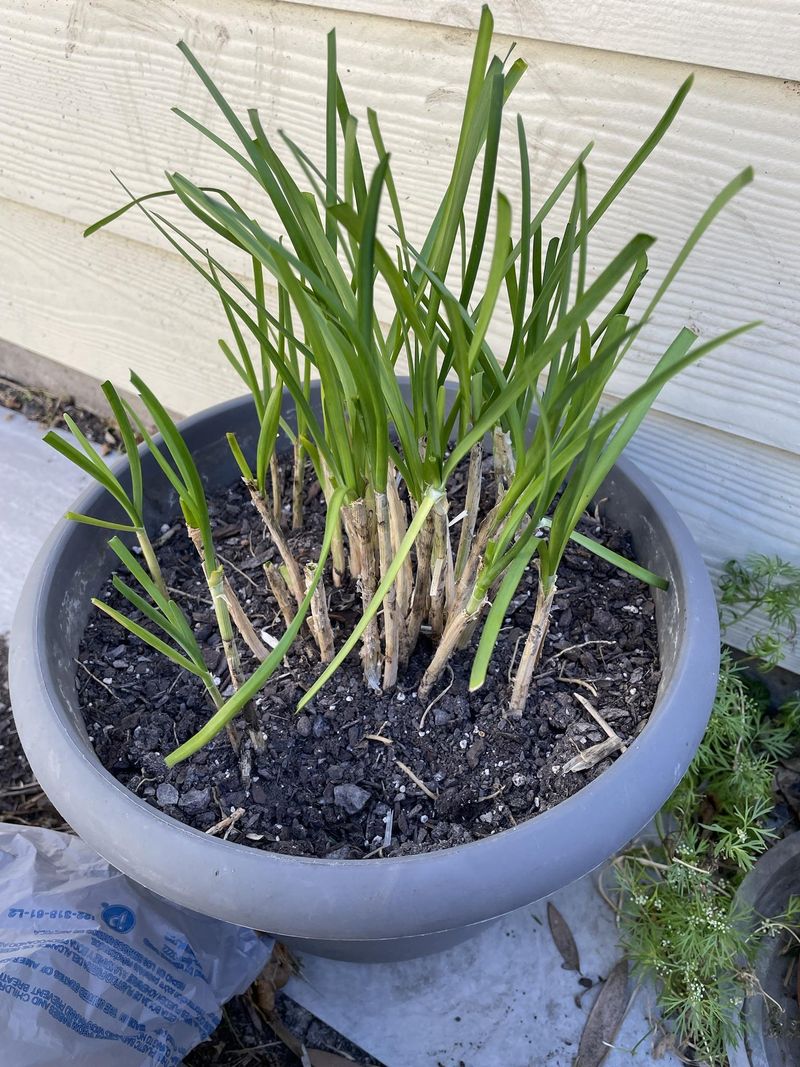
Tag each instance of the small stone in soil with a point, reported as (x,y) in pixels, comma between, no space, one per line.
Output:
(166,794)
(153,765)
(195,800)
(350,797)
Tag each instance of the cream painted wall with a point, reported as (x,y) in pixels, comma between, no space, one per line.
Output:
(87,86)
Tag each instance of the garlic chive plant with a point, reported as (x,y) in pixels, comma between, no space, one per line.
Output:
(337,295)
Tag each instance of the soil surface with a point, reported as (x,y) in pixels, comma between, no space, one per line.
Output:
(48,410)
(329,782)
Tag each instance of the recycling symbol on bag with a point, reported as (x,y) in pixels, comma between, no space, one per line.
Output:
(118,917)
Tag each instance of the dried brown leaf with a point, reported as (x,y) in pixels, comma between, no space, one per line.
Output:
(321,1058)
(280,967)
(605,1018)
(563,939)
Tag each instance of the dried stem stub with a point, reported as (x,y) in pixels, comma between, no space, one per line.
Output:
(294,576)
(321,623)
(532,651)
(360,536)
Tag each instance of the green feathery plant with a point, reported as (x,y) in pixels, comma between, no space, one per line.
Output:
(679,919)
(336,295)
(770,585)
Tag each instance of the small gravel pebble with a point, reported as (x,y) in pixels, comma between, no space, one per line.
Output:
(350,797)
(303,726)
(195,800)
(166,794)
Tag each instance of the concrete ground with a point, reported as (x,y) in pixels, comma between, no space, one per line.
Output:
(499,1000)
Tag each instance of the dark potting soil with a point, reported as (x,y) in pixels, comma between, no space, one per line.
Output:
(329,781)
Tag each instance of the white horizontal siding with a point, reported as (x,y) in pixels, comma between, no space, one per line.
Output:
(88,86)
(755,36)
(93,93)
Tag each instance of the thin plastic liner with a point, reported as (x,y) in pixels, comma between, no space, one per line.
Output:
(96,970)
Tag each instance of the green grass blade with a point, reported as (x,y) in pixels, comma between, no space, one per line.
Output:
(95,469)
(104,524)
(268,434)
(130,443)
(146,636)
(635,569)
(238,455)
(264,672)
(127,558)
(497,613)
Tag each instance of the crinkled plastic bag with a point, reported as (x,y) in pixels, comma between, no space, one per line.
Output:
(98,971)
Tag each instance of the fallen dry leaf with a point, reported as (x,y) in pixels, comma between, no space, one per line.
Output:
(281,966)
(605,1018)
(320,1058)
(563,939)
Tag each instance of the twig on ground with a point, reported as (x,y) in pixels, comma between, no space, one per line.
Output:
(438,697)
(415,780)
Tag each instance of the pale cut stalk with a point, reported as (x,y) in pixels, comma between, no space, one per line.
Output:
(461,620)
(465,588)
(286,604)
(243,624)
(353,544)
(469,602)
(471,505)
(504,465)
(149,556)
(280,590)
(487,596)
(298,471)
(356,520)
(404,584)
(338,555)
(422,583)
(253,642)
(391,627)
(532,651)
(294,575)
(322,631)
(442,591)
(216,587)
(275,479)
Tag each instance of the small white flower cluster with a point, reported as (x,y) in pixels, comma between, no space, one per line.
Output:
(715,917)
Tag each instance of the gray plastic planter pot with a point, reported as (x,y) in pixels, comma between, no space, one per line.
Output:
(353,909)
(772,1039)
